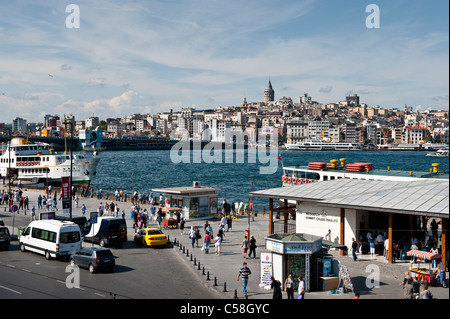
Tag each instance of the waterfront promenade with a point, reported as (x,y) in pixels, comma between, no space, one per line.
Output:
(225,268)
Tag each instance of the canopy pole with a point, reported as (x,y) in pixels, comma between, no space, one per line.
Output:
(270,216)
(342,222)
(390,241)
(443,241)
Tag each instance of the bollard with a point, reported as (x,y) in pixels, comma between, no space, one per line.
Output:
(235,294)
(224,287)
(187,252)
(198,266)
(215,281)
(195,260)
(183,249)
(203,271)
(207,276)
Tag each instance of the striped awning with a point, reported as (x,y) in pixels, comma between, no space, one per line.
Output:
(423,254)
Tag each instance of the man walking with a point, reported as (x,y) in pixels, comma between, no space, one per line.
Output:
(354,247)
(243,273)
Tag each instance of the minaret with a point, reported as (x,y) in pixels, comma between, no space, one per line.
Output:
(269,93)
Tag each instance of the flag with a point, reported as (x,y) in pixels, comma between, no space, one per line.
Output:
(279,157)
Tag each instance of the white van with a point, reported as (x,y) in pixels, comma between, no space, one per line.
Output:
(52,238)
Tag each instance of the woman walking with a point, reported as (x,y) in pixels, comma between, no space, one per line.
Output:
(289,286)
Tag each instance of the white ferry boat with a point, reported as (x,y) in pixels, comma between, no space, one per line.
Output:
(320,145)
(39,163)
(321,171)
(439,153)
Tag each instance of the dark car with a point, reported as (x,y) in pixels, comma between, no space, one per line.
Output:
(5,237)
(94,259)
(107,231)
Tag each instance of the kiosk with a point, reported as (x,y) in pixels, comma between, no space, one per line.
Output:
(195,202)
(299,255)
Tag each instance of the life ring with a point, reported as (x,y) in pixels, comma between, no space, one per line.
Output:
(289,180)
(284,179)
(294,180)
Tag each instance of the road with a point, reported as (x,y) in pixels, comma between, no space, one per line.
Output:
(150,273)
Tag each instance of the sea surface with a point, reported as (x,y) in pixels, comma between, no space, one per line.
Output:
(146,170)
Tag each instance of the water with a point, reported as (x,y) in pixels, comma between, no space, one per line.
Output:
(145,170)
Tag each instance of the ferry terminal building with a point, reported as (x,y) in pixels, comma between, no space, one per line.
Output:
(351,208)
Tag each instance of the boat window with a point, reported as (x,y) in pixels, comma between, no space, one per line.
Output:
(325,178)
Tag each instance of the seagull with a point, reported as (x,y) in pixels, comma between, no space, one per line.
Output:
(50,75)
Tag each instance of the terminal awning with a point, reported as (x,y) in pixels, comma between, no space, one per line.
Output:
(332,244)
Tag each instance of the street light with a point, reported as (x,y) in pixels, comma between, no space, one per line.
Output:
(248,213)
(70,178)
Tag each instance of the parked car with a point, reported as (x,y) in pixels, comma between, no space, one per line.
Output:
(5,238)
(94,259)
(150,237)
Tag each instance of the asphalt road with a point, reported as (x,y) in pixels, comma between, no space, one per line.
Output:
(150,273)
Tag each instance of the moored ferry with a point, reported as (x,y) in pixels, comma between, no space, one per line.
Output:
(320,145)
(322,171)
(38,163)
(439,153)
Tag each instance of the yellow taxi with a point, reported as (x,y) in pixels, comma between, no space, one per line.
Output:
(150,237)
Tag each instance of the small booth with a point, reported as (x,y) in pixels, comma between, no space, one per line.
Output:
(299,255)
(424,274)
(195,202)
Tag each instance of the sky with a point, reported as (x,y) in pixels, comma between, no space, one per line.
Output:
(146,56)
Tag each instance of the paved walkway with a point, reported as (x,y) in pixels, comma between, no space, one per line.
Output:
(223,269)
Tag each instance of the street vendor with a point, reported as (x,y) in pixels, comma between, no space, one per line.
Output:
(440,271)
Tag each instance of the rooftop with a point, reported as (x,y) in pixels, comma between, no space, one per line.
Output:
(424,197)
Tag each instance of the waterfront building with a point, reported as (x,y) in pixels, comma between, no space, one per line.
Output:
(19,125)
(352,208)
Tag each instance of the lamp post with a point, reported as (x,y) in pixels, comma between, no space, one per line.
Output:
(70,178)
(248,206)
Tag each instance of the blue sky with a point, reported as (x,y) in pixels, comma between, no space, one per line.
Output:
(151,56)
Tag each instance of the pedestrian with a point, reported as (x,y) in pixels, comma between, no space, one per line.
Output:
(434,229)
(229,222)
(289,286)
(217,244)
(182,222)
(301,288)
(83,210)
(197,236)
(426,294)
(276,286)
(39,201)
(245,244)
(440,271)
(33,213)
(372,246)
(252,247)
(244,272)
(354,247)
(206,242)
(328,235)
(192,235)
(408,289)
(356,295)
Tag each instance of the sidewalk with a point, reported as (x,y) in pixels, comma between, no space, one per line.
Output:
(224,269)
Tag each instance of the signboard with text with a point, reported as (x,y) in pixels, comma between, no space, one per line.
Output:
(65,194)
